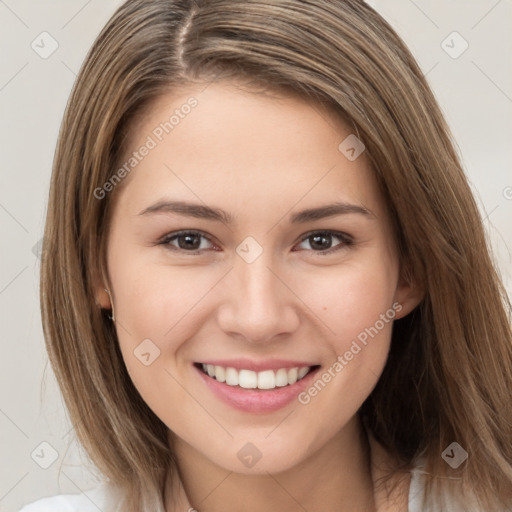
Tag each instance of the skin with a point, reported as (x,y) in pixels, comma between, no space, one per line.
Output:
(261,158)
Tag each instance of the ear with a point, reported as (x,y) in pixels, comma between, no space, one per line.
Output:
(101,296)
(408,294)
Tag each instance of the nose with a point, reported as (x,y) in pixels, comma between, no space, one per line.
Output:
(257,304)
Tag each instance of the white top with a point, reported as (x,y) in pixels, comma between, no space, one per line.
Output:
(100,498)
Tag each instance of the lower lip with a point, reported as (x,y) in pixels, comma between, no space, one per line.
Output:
(257,400)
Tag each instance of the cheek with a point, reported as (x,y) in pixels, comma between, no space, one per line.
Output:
(355,303)
(351,298)
(158,309)
(153,297)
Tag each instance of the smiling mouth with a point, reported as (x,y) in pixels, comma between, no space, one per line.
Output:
(248,379)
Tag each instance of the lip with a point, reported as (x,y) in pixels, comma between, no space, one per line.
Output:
(257,400)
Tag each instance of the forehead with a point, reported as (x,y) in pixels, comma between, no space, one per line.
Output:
(226,143)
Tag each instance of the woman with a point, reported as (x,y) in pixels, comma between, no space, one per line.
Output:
(265,281)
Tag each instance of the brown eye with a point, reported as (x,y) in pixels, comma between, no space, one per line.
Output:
(322,241)
(187,241)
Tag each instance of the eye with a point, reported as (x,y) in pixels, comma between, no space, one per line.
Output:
(192,242)
(321,241)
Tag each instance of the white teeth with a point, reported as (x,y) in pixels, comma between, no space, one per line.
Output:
(247,379)
(220,374)
(302,372)
(267,379)
(231,377)
(281,377)
(292,375)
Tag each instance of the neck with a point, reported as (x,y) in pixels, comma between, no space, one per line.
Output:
(338,477)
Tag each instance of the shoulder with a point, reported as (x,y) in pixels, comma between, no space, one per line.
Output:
(407,490)
(88,501)
(448,500)
(417,487)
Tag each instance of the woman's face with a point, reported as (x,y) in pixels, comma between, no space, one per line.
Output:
(287,262)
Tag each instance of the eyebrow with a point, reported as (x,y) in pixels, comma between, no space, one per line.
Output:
(206,212)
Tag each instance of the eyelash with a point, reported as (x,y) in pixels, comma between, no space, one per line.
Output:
(346,240)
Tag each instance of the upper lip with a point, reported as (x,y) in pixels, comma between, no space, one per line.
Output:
(257,366)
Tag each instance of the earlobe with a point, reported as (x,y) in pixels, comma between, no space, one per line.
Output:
(408,295)
(104,301)
(102,298)
(101,295)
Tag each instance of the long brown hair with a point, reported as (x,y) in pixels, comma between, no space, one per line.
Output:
(449,373)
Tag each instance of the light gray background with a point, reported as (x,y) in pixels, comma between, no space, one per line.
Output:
(475,93)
